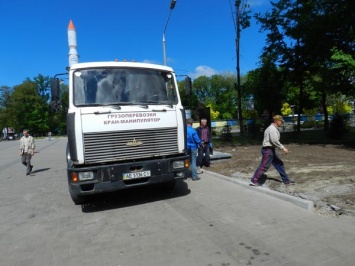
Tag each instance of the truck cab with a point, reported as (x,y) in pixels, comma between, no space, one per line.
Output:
(126,128)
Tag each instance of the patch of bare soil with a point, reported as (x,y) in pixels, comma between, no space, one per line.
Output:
(324,174)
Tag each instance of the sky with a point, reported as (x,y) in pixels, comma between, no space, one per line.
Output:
(200,35)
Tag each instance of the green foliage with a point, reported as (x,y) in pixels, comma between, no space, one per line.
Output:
(339,104)
(43,86)
(267,87)
(28,109)
(227,116)
(5,93)
(301,36)
(5,98)
(345,64)
(343,108)
(312,111)
(243,11)
(217,92)
(188,102)
(250,114)
(214,114)
(342,58)
(26,106)
(286,109)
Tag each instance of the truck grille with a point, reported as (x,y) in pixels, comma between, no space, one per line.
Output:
(127,145)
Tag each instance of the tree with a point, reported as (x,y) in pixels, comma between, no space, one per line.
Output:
(202,89)
(43,86)
(189,103)
(28,106)
(58,123)
(5,94)
(27,109)
(224,96)
(218,92)
(266,85)
(345,66)
(302,35)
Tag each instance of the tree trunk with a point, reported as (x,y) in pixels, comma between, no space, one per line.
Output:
(325,111)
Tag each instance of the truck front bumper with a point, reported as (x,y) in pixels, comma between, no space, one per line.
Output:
(113,177)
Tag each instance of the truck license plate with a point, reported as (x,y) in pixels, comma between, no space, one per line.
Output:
(136,175)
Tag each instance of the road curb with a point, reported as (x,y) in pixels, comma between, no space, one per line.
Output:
(302,203)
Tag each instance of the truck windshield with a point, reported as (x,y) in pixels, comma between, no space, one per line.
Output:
(123,86)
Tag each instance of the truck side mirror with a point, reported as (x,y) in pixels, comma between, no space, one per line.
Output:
(188,86)
(55,89)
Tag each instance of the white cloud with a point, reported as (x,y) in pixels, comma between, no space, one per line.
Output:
(203,71)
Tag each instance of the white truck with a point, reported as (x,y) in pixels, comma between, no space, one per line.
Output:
(126,128)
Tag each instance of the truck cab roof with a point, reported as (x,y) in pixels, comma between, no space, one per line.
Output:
(120,64)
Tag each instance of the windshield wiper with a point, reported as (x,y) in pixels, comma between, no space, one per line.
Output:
(99,105)
(140,104)
(88,105)
(161,103)
(159,110)
(114,106)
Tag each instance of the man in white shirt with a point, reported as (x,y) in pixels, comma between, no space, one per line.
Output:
(27,150)
(270,143)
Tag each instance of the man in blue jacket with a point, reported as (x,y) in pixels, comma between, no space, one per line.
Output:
(193,143)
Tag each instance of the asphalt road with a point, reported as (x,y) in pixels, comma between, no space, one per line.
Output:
(212,222)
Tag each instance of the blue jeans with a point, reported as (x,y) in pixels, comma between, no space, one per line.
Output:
(270,157)
(193,163)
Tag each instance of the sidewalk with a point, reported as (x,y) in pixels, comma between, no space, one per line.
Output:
(278,231)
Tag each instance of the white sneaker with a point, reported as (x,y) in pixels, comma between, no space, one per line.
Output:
(199,170)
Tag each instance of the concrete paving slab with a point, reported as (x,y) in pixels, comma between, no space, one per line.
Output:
(305,204)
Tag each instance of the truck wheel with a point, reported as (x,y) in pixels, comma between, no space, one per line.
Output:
(78,200)
(169,186)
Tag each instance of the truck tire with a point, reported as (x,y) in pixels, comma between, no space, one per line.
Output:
(169,186)
(78,200)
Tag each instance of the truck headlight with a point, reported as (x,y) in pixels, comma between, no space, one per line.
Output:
(86,176)
(178,164)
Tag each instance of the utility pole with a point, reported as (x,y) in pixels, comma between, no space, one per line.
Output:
(172,5)
(242,18)
(237,42)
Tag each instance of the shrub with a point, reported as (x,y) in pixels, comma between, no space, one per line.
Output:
(308,124)
(338,127)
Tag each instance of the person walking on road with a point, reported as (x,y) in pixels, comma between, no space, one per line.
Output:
(270,143)
(193,143)
(204,134)
(27,150)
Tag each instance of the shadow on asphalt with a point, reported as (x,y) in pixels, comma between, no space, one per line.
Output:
(133,196)
(40,170)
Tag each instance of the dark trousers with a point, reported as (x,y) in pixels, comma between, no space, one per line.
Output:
(270,157)
(26,161)
(203,158)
